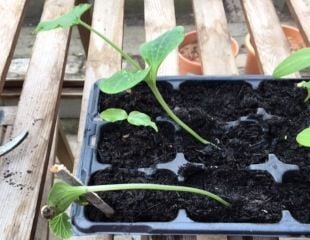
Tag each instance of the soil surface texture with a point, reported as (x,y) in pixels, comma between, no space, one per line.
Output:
(245,123)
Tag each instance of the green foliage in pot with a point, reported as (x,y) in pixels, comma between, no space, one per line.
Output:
(153,52)
(297,61)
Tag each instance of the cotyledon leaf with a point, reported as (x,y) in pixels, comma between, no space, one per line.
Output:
(113,114)
(141,119)
(122,80)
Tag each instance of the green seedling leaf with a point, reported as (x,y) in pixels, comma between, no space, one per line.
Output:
(62,195)
(303,138)
(154,52)
(141,119)
(135,117)
(114,115)
(122,81)
(61,226)
(68,20)
(295,62)
(306,85)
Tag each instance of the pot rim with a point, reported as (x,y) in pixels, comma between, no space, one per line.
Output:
(247,39)
(198,64)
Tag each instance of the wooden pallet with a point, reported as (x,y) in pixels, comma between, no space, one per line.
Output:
(39,101)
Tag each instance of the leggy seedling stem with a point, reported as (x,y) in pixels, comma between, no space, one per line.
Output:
(152,85)
(119,50)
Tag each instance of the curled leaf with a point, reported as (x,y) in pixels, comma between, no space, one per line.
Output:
(113,115)
(303,138)
(61,195)
(69,19)
(141,119)
(122,81)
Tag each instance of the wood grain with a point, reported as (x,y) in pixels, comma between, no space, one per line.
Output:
(270,44)
(37,110)
(11,13)
(42,230)
(102,60)
(214,38)
(63,150)
(159,16)
(301,12)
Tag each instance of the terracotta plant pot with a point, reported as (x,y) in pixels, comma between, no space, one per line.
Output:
(295,40)
(192,65)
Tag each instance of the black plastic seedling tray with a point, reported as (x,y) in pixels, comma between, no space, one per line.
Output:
(182,224)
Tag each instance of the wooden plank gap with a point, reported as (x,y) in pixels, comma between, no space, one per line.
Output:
(269,41)
(214,39)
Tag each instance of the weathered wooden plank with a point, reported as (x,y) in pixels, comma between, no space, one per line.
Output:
(96,237)
(159,17)
(36,112)
(63,150)
(102,60)
(213,37)
(296,238)
(11,13)
(212,237)
(301,12)
(42,230)
(172,237)
(269,41)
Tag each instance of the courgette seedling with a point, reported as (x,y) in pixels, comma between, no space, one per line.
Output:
(297,61)
(153,52)
(62,195)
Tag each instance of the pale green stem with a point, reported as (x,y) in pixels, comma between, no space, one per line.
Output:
(154,187)
(152,86)
(171,114)
(124,54)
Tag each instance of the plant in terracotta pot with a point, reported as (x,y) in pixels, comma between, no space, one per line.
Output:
(189,54)
(257,164)
(293,36)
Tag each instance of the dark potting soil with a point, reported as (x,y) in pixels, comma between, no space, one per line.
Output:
(138,98)
(246,124)
(136,206)
(125,145)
